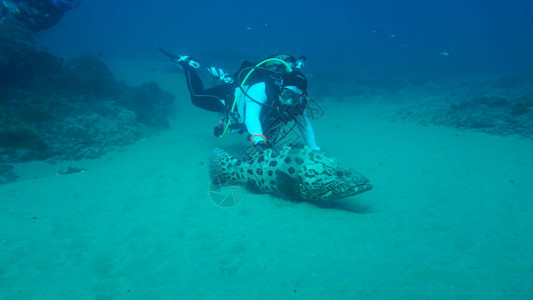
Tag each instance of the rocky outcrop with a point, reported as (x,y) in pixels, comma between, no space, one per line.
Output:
(51,109)
(491,114)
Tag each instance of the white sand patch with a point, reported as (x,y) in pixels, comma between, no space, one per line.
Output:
(449,217)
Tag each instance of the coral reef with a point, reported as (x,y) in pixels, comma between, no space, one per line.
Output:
(491,114)
(56,110)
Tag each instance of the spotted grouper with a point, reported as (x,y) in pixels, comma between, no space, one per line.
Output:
(294,172)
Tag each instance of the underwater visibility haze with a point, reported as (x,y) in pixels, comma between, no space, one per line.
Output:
(418,185)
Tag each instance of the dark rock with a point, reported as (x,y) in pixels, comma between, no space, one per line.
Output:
(490,114)
(150,104)
(6,174)
(87,75)
(490,101)
(520,109)
(22,145)
(54,110)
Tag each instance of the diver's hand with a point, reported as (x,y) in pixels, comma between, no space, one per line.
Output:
(11,7)
(262,145)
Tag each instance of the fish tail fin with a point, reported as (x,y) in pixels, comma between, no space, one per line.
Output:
(221,168)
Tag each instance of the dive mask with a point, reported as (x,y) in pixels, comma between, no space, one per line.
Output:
(291,95)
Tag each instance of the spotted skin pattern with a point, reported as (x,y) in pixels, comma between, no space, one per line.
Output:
(296,172)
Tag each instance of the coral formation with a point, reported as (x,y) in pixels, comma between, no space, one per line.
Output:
(491,114)
(56,110)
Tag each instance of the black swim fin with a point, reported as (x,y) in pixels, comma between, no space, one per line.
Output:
(171,56)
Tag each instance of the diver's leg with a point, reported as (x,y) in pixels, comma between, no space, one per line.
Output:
(207,100)
(194,83)
(213,99)
(210,99)
(199,97)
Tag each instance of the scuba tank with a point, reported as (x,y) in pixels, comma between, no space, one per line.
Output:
(271,67)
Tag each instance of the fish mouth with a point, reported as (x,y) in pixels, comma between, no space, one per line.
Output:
(344,191)
(361,188)
(354,187)
(357,183)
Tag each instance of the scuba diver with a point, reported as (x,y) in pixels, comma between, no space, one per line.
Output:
(37,14)
(260,99)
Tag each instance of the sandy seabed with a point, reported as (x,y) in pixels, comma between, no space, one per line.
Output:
(450,216)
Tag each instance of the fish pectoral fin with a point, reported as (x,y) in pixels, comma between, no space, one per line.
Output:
(287,186)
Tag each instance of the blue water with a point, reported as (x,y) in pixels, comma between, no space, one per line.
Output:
(369,35)
(450,214)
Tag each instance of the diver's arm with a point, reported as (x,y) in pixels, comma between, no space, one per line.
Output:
(253,111)
(307,132)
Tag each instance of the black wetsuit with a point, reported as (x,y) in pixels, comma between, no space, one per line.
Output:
(208,99)
(273,115)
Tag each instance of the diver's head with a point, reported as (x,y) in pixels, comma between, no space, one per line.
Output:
(66,4)
(293,88)
(288,59)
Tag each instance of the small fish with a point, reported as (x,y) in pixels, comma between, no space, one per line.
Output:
(72,170)
(294,172)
